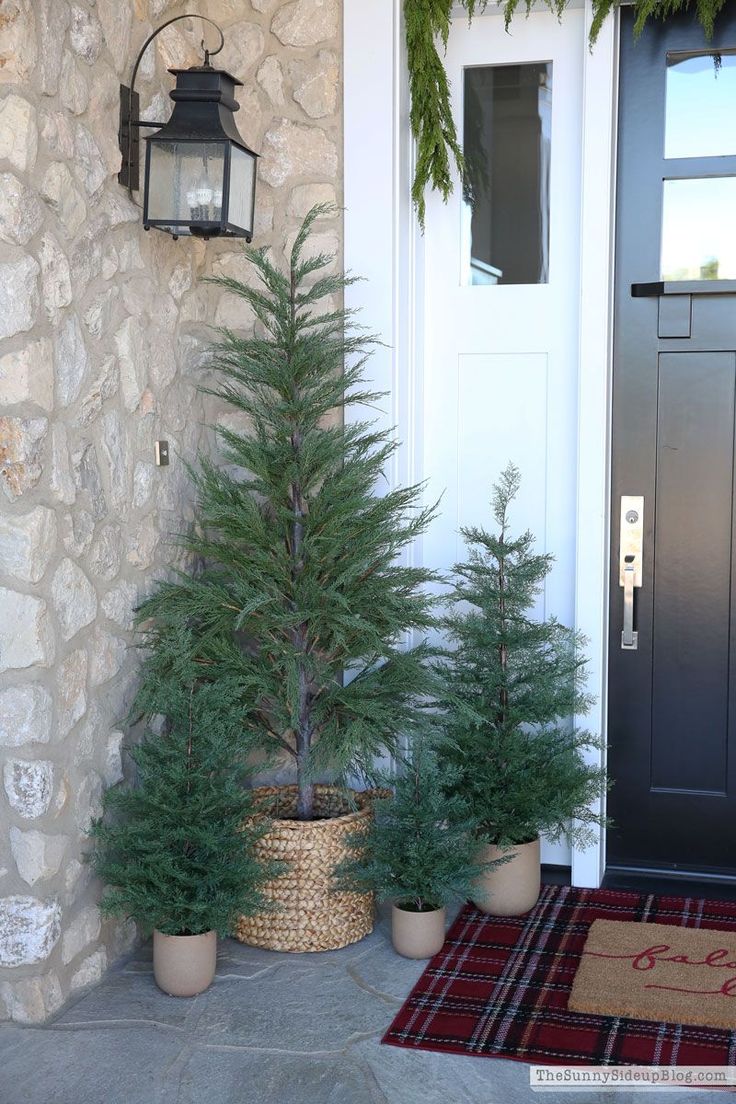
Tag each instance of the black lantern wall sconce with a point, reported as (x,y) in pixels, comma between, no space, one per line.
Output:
(199,175)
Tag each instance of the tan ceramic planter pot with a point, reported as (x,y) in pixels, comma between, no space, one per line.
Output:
(417,934)
(184,965)
(512,888)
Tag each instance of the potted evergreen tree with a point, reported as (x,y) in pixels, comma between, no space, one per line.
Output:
(420,851)
(176,848)
(302,598)
(511,690)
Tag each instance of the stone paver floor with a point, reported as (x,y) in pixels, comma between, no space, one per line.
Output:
(273,1029)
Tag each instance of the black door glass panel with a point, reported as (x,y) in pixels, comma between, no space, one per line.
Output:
(507,145)
(700,114)
(699,228)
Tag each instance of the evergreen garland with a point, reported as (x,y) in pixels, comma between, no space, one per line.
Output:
(176,849)
(421,849)
(427,24)
(300,540)
(511,686)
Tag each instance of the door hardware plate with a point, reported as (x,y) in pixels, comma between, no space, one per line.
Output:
(631,537)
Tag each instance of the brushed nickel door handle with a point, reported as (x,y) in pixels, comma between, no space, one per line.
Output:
(629,638)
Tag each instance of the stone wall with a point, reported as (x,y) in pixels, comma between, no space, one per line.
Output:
(102,332)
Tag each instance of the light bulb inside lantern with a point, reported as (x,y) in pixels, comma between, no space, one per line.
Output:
(204,192)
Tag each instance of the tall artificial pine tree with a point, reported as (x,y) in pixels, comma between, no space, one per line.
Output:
(512,687)
(303,599)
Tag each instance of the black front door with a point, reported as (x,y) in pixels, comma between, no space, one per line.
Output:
(672,670)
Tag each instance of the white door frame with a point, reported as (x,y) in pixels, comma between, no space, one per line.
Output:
(383,244)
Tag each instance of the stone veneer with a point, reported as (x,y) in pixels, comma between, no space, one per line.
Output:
(102,330)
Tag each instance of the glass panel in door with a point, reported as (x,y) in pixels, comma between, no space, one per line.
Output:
(506,147)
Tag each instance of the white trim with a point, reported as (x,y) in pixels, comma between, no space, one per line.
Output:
(600,83)
(369,170)
(377,225)
(380,231)
(382,245)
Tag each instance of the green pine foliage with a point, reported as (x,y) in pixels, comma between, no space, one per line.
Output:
(427,22)
(427,27)
(173,848)
(301,541)
(706,12)
(421,849)
(511,686)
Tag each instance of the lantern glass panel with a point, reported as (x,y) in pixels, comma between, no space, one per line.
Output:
(240,207)
(185,182)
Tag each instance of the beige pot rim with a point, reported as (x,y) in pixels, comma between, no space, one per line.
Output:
(510,846)
(182,935)
(403,907)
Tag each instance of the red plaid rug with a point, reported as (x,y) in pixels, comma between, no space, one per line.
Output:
(499,987)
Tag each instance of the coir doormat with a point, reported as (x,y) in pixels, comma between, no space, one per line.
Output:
(657,972)
(500,987)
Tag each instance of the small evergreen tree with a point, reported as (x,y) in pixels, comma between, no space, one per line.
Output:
(302,579)
(176,850)
(421,848)
(510,690)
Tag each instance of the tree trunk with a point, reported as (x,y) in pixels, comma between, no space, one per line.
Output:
(503,657)
(305,800)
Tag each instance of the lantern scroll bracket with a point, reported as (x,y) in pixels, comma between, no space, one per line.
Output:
(130,124)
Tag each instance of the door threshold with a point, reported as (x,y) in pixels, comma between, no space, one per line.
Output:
(674,883)
(554,874)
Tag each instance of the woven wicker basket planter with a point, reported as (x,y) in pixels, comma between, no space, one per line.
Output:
(311,915)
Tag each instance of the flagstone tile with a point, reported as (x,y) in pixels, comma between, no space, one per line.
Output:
(86,1066)
(214,1074)
(306,1008)
(127,997)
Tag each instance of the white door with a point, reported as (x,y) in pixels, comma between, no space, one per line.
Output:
(501,294)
